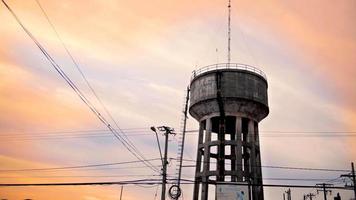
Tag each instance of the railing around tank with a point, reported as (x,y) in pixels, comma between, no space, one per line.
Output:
(218,66)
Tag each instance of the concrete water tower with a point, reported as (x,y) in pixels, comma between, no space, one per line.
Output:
(228,100)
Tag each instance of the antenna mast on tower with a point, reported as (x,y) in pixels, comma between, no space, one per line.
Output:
(229,35)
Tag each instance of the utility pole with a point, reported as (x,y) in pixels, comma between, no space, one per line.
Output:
(324,190)
(289,194)
(122,188)
(352,176)
(310,195)
(167,131)
(337,197)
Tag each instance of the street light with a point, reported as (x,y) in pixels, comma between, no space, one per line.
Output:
(159,145)
(167,131)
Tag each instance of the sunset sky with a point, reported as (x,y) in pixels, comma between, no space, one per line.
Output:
(138,56)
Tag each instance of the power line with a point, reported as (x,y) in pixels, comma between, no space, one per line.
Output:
(130,162)
(290,179)
(154,182)
(69,137)
(288,132)
(83,136)
(58,138)
(296,179)
(92,169)
(138,175)
(284,167)
(49,132)
(275,131)
(139,181)
(59,135)
(141,130)
(76,167)
(54,135)
(305,168)
(88,134)
(130,143)
(64,137)
(86,176)
(78,91)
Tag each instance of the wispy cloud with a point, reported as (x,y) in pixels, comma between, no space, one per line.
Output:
(139,55)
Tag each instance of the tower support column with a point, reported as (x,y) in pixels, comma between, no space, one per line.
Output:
(197,180)
(238,149)
(206,160)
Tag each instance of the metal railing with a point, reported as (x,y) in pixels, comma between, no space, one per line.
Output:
(218,66)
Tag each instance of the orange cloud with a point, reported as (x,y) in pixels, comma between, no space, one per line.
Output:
(325,38)
(24,106)
(320,33)
(27,104)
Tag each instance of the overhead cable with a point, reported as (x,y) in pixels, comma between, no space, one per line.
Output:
(129,142)
(283,167)
(158,181)
(77,166)
(78,92)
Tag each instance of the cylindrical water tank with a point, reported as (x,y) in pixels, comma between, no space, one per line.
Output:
(228,101)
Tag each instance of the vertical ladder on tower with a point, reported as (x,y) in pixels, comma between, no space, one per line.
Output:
(181,137)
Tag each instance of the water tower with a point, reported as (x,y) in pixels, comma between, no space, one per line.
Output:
(228,100)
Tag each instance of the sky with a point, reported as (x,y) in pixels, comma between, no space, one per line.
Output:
(138,56)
